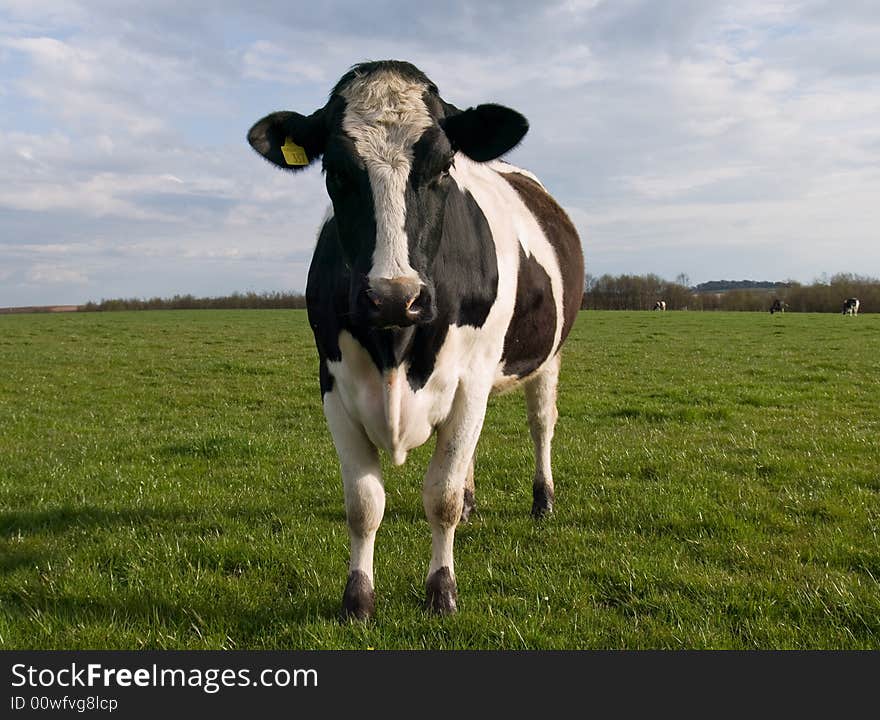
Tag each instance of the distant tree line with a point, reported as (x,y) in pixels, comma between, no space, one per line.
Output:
(640,292)
(828,296)
(607,292)
(236,301)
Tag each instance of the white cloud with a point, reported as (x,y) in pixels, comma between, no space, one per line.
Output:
(264,60)
(673,184)
(55,275)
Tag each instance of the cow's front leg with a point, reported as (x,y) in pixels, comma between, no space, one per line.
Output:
(444,490)
(364,504)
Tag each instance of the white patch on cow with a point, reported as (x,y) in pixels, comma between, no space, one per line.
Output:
(385,115)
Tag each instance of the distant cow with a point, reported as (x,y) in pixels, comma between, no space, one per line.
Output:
(440,276)
(660,305)
(778,306)
(851,306)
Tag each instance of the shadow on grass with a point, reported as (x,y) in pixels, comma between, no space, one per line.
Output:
(230,612)
(13,557)
(62,519)
(59,520)
(156,619)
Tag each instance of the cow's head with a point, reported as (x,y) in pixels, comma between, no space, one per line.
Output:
(388,141)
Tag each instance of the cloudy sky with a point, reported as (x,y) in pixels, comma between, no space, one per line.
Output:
(721,140)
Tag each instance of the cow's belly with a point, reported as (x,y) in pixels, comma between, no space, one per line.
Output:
(393,416)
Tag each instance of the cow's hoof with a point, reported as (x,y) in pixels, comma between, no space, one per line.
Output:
(542,502)
(468,506)
(441,593)
(358,600)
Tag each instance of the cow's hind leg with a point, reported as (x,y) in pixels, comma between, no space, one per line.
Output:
(541,406)
(444,492)
(364,505)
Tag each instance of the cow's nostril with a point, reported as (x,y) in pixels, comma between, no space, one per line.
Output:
(396,301)
(420,305)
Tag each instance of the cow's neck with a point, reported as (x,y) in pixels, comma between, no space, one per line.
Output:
(414,348)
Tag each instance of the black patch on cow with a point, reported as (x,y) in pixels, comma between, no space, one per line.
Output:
(324,377)
(441,594)
(467,262)
(426,344)
(529,338)
(327,299)
(348,185)
(563,237)
(465,268)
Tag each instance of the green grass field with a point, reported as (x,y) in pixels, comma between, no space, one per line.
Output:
(167,481)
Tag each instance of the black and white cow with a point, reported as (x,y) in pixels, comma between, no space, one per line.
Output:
(660,305)
(851,306)
(440,276)
(778,306)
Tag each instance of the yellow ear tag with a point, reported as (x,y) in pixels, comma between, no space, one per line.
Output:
(293,153)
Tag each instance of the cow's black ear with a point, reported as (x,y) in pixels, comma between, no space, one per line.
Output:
(485,132)
(290,140)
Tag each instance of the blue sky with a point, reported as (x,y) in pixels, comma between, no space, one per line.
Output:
(720,140)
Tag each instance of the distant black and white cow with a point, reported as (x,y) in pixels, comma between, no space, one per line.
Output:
(660,305)
(778,306)
(440,276)
(851,306)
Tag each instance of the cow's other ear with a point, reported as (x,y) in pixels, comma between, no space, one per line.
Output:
(290,140)
(485,132)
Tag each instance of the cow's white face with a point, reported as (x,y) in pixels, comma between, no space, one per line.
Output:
(386,115)
(388,141)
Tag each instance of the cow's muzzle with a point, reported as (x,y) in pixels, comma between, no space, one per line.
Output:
(399,302)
